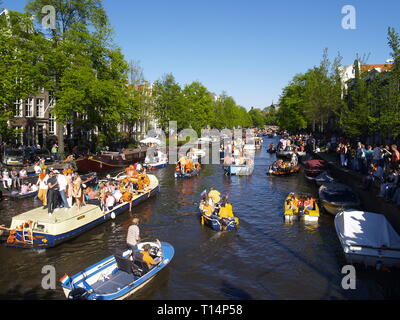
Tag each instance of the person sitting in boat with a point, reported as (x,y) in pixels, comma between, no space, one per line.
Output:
(147,257)
(189,166)
(226,209)
(197,166)
(309,203)
(109,202)
(25,188)
(207,207)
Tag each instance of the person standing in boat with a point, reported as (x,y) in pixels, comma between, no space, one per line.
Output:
(52,192)
(62,184)
(42,183)
(77,190)
(133,236)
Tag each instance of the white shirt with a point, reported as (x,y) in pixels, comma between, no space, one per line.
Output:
(110,201)
(43,183)
(37,169)
(22,173)
(62,182)
(117,195)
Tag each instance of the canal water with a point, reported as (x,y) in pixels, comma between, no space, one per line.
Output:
(263,259)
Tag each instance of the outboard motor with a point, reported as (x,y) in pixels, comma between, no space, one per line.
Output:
(78,294)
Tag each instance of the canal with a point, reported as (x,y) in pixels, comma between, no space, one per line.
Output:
(264,259)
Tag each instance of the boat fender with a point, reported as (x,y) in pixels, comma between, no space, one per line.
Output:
(112,215)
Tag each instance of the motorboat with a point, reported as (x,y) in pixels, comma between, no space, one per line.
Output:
(368,238)
(336,197)
(313,168)
(118,276)
(281,169)
(294,208)
(324,177)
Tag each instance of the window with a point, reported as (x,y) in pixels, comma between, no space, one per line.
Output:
(18,108)
(39,108)
(51,123)
(19,135)
(29,108)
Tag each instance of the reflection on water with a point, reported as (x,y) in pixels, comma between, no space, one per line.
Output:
(264,259)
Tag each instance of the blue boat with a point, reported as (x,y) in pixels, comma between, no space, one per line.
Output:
(156,165)
(118,276)
(218,224)
(180,175)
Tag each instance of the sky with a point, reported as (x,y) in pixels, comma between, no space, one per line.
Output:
(249,49)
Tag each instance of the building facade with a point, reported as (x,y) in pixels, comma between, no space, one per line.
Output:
(35,120)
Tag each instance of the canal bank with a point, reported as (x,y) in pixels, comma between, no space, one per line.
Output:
(370,200)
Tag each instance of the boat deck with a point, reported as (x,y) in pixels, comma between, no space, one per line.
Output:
(59,215)
(116,282)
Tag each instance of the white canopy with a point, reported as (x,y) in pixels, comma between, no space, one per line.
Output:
(366,229)
(151,140)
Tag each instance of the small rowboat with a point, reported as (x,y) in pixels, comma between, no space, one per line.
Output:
(324,177)
(180,175)
(305,214)
(118,276)
(17,195)
(336,197)
(218,224)
(368,238)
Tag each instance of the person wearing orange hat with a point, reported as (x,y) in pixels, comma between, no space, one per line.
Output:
(42,183)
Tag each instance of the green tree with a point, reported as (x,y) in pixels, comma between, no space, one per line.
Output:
(257,117)
(291,115)
(23,71)
(169,103)
(199,103)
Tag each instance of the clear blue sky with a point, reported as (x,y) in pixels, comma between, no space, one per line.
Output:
(250,49)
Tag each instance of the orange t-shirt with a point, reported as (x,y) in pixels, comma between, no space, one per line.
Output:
(147,258)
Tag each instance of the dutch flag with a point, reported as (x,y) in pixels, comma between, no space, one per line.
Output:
(65,279)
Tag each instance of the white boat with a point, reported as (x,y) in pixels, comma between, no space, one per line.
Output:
(35,229)
(368,238)
(118,276)
(239,170)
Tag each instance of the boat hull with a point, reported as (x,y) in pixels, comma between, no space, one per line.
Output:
(215,223)
(241,170)
(180,175)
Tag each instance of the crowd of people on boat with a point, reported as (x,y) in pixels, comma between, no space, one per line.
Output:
(303,203)
(299,143)
(188,163)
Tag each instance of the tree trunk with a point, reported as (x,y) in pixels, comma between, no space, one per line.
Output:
(60,138)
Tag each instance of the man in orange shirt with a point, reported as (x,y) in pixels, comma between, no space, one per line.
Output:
(146,256)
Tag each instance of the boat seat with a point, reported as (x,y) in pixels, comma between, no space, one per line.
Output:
(138,261)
